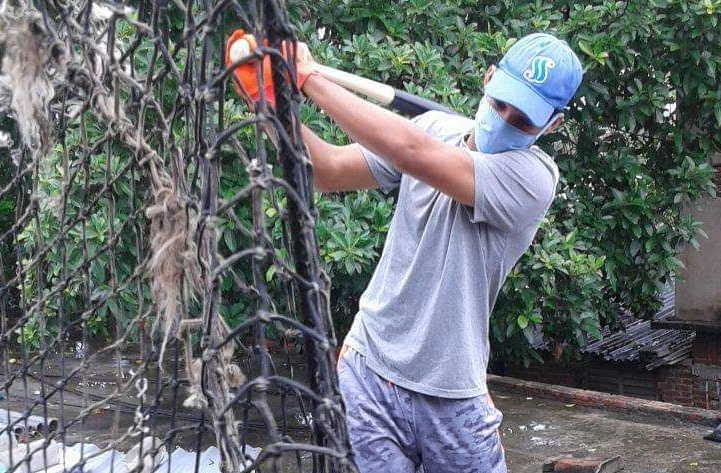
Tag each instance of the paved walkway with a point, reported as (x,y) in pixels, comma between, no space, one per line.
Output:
(536,429)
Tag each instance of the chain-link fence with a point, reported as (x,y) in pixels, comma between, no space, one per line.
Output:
(163,305)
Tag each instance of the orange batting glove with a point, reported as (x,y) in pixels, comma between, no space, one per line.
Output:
(245,76)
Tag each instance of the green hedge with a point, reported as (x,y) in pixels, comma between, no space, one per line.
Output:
(634,148)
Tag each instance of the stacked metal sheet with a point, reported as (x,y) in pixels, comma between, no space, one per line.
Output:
(641,343)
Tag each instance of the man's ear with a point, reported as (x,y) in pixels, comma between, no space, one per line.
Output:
(489,73)
(556,123)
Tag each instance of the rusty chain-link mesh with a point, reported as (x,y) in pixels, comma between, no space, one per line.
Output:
(161,285)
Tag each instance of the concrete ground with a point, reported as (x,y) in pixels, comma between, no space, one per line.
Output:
(533,430)
(536,429)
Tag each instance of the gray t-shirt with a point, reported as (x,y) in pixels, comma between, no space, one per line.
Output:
(423,320)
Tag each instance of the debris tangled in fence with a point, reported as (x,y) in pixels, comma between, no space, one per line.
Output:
(160,284)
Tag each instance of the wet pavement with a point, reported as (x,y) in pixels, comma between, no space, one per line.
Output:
(83,418)
(535,429)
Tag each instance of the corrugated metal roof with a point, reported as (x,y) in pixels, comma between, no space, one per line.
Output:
(641,343)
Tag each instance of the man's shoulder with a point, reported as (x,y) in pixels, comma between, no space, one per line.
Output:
(547,161)
(532,168)
(532,159)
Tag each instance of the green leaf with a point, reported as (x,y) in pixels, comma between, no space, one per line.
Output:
(270,272)
(584,46)
(675,262)
(113,306)
(635,246)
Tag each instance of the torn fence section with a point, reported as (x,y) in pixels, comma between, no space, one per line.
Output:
(167,229)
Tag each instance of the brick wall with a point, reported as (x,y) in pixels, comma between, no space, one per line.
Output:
(706,394)
(679,386)
(675,384)
(595,375)
(627,379)
(707,349)
(549,372)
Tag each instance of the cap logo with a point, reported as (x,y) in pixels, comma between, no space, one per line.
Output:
(537,71)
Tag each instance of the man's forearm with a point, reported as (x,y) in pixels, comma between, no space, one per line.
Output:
(362,120)
(337,168)
(321,155)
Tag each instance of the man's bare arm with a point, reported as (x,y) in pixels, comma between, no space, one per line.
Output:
(408,148)
(337,168)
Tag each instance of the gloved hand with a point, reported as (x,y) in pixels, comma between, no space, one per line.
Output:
(245,75)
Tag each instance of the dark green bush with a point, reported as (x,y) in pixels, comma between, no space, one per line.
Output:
(7,202)
(635,145)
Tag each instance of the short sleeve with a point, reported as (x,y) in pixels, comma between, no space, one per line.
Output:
(387,177)
(432,122)
(512,190)
(385,174)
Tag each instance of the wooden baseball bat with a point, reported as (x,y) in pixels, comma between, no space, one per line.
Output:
(387,95)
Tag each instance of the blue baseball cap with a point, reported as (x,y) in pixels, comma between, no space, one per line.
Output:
(538,75)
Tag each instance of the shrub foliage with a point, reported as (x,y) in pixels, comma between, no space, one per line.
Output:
(634,149)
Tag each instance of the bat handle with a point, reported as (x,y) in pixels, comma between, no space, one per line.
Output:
(387,95)
(383,93)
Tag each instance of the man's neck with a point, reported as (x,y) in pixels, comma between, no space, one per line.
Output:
(470,142)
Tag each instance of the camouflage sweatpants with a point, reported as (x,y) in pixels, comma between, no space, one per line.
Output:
(395,430)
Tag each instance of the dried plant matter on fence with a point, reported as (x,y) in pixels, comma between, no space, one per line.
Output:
(145,305)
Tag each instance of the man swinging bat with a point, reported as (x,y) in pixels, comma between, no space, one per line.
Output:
(472,194)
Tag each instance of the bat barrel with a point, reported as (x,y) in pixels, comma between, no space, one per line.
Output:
(413,105)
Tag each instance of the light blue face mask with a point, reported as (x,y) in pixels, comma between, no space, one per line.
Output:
(494,135)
